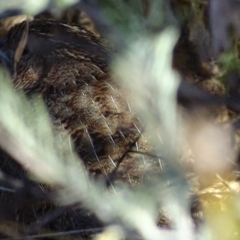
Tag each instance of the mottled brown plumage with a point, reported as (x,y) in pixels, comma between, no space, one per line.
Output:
(68,67)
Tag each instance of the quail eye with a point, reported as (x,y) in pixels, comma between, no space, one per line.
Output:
(25,51)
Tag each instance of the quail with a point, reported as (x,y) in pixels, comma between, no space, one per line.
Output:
(68,66)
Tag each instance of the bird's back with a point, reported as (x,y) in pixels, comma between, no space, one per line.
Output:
(68,67)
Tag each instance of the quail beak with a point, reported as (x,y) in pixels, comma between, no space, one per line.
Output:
(3,57)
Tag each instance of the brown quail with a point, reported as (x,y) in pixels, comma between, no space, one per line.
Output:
(68,66)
